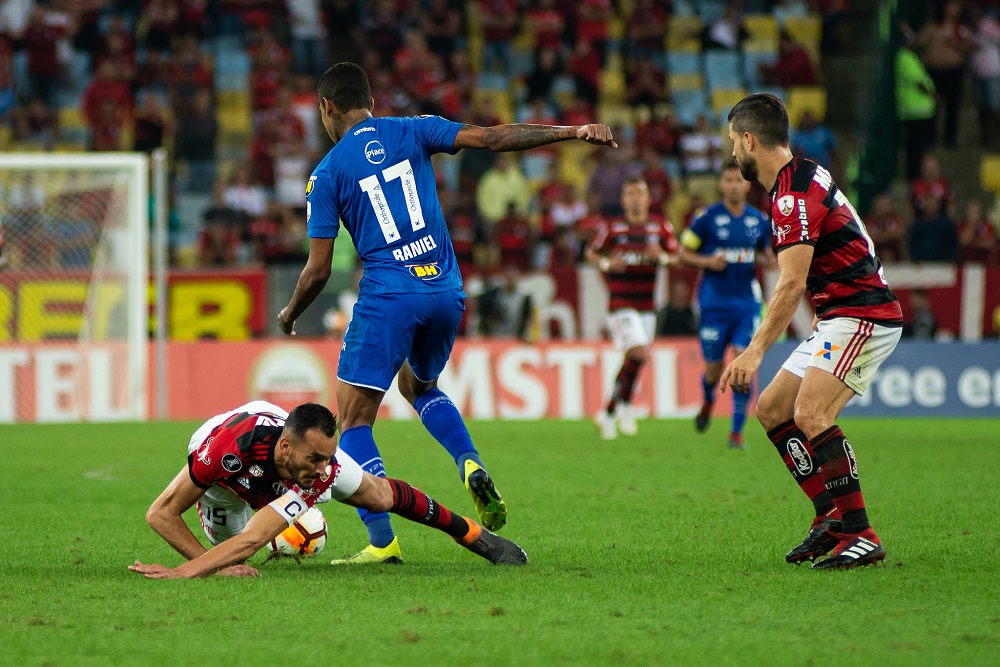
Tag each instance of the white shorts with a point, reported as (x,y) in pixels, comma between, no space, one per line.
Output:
(629,328)
(848,348)
(223,514)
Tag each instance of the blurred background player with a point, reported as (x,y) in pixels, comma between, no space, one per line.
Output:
(378,179)
(727,240)
(628,252)
(823,249)
(253,470)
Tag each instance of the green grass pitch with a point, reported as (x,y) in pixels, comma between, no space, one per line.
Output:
(667,548)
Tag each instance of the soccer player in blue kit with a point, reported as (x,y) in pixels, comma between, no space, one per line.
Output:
(727,240)
(379,182)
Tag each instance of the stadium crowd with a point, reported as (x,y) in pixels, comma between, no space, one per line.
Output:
(227,87)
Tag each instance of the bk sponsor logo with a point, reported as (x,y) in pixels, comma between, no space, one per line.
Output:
(424,271)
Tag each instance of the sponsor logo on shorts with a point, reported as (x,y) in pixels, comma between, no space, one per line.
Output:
(231,462)
(375,152)
(424,271)
(849,451)
(827,351)
(803,462)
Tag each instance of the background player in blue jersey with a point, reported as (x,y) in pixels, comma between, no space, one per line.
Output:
(379,182)
(727,240)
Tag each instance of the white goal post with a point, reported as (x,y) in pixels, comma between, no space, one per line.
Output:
(74,286)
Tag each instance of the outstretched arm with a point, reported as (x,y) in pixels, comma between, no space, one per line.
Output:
(519,137)
(312,280)
(164,515)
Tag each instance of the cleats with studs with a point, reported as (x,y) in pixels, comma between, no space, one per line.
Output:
(854,551)
(490,507)
(823,536)
(703,417)
(495,549)
(390,555)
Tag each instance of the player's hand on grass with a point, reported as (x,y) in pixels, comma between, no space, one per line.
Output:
(598,134)
(154,571)
(740,372)
(717,262)
(239,571)
(286,325)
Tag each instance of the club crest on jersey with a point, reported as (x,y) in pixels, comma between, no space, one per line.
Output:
(375,152)
(231,462)
(786,204)
(202,453)
(310,185)
(424,271)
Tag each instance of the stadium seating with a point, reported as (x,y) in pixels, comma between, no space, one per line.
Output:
(751,67)
(684,34)
(805,98)
(723,100)
(689,104)
(807,31)
(683,62)
(989,172)
(762,28)
(723,69)
(693,81)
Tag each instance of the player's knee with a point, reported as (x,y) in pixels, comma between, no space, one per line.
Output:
(374,494)
(769,413)
(638,354)
(809,418)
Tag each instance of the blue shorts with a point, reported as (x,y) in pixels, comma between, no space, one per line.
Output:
(389,328)
(719,328)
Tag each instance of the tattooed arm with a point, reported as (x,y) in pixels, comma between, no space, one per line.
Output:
(520,137)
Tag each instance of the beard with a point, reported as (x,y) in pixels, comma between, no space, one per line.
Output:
(748,168)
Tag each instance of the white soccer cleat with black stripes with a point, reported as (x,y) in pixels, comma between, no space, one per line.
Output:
(854,551)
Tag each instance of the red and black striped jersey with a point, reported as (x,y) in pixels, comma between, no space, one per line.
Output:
(633,287)
(238,455)
(845,276)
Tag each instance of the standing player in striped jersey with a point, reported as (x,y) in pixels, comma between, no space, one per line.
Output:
(628,252)
(823,249)
(727,240)
(255,470)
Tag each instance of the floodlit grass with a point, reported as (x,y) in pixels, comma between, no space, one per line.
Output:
(667,548)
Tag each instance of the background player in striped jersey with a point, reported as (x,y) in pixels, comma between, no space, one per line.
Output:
(628,252)
(378,182)
(260,458)
(727,240)
(823,249)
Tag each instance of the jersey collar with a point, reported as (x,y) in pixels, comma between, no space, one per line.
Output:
(790,166)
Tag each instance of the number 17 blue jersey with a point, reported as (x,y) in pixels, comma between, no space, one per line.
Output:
(380,182)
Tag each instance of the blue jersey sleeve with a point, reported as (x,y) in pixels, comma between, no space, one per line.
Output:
(436,134)
(322,209)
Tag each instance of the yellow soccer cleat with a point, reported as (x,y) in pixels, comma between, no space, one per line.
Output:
(489,505)
(371,554)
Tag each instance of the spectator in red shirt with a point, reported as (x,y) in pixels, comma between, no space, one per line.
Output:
(515,238)
(548,23)
(886,229)
(383,31)
(932,183)
(499,20)
(190,70)
(645,30)
(579,112)
(588,226)
(658,131)
(593,19)
(646,84)
(794,67)
(658,180)
(977,236)
(107,125)
(466,231)
(40,40)
(118,48)
(106,86)
(585,66)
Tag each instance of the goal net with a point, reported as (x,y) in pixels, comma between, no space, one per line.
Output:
(73,287)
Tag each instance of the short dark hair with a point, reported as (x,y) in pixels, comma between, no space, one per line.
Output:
(304,418)
(346,85)
(762,115)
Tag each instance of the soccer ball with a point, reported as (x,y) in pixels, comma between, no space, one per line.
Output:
(305,537)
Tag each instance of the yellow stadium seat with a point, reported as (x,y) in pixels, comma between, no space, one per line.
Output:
(524,41)
(687,82)
(684,34)
(70,119)
(726,98)
(616,29)
(615,115)
(234,121)
(502,101)
(805,98)
(807,31)
(758,45)
(475,49)
(761,26)
(989,172)
(612,85)
(704,185)
(6,137)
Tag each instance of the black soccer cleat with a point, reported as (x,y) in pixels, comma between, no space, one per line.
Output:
(703,417)
(823,536)
(854,551)
(498,550)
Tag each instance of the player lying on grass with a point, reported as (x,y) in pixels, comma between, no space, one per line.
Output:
(258,457)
